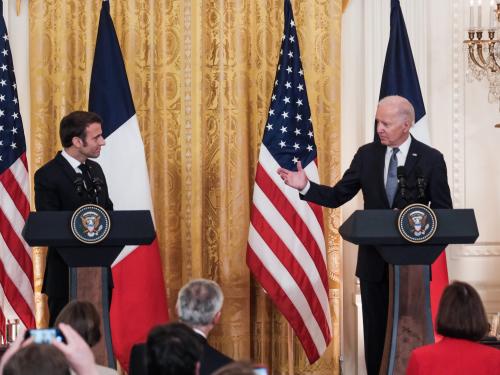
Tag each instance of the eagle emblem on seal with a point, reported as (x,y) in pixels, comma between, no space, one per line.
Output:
(418,223)
(91,223)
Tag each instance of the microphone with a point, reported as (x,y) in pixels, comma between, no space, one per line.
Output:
(78,182)
(421,184)
(401,173)
(98,184)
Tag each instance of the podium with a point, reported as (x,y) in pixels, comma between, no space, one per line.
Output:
(409,321)
(52,228)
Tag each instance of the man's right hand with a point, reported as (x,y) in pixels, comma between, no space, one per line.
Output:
(297,180)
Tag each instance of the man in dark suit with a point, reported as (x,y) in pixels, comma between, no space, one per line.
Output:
(199,306)
(173,349)
(65,183)
(373,171)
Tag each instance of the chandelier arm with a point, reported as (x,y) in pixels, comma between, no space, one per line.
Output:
(479,49)
(473,57)
(494,64)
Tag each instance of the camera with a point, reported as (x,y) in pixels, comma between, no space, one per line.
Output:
(45,336)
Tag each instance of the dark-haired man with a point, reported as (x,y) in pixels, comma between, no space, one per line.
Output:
(67,182)
(173,349)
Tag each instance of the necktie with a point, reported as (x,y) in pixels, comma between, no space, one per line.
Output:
(391,184)
(87,181)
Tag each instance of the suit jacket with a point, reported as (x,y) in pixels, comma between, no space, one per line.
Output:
(211,359)
(366,173)
(55,191)
(454,356)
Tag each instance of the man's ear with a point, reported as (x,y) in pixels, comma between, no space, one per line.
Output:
(217,318)
(77,142)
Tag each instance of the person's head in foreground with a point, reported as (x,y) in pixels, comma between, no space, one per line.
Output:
(461,313)
(37,359)
(236,368)
(173,349)
(84,318)
(199,304)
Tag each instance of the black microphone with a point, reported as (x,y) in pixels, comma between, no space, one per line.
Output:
(401,173)
(98,184)
(96,187)
(421,184)
(78,182)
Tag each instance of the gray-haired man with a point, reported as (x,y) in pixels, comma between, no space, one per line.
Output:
(199,305)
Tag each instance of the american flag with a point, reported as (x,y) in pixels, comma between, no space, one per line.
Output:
(286,246)
(16,266)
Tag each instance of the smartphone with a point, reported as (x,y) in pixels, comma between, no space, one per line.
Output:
(260,370)
(45,336)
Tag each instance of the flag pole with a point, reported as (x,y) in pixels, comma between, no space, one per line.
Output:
(290,348)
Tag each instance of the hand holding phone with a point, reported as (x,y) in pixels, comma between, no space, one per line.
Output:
(45,336)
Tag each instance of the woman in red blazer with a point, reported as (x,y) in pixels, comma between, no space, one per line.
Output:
(462,321)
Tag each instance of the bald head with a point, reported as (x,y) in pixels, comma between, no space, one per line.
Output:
(395,116)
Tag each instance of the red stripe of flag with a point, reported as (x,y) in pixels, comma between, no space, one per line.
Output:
(16,247)
(16,299)
(280,298)
(293,267)
(10,184)
(287,211)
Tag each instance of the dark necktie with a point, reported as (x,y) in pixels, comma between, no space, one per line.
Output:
(87,180)
(391,185)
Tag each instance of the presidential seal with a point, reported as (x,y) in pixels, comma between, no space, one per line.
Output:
(90,223)
(417,223)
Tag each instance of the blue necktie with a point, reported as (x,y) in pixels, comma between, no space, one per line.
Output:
(391,185)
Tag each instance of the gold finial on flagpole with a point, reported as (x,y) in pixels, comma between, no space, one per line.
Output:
(18,7)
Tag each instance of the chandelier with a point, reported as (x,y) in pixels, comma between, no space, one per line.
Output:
(483,48)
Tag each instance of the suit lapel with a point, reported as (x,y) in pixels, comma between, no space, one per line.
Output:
(413,156)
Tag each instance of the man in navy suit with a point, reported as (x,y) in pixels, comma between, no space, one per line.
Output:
(373,171)
(65,183)
(199,306)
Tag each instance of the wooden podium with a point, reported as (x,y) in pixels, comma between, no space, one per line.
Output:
(52,228)
(409,321)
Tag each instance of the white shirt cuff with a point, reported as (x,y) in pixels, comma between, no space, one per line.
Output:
(306,188)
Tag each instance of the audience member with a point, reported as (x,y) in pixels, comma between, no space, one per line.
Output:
(75,350)
(173,349)
(236,368)
(37,359)
(84,318)
(199,306)
(462,321)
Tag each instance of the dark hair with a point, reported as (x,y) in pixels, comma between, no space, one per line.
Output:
(173,349)
(37,359)
(83,317)
(461,313)
(236,368)
(75,125)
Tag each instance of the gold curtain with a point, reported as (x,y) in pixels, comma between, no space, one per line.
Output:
(201,74)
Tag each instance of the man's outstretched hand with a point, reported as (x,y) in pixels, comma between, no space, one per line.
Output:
(297,180)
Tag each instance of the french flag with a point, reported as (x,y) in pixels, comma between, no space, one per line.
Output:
(400,78)
(139,298)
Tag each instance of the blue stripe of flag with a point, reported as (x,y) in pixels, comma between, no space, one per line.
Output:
(109,95)
(400,74)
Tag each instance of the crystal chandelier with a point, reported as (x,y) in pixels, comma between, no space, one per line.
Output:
(483,55)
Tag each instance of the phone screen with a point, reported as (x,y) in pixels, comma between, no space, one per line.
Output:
(45,336)
(260,371)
